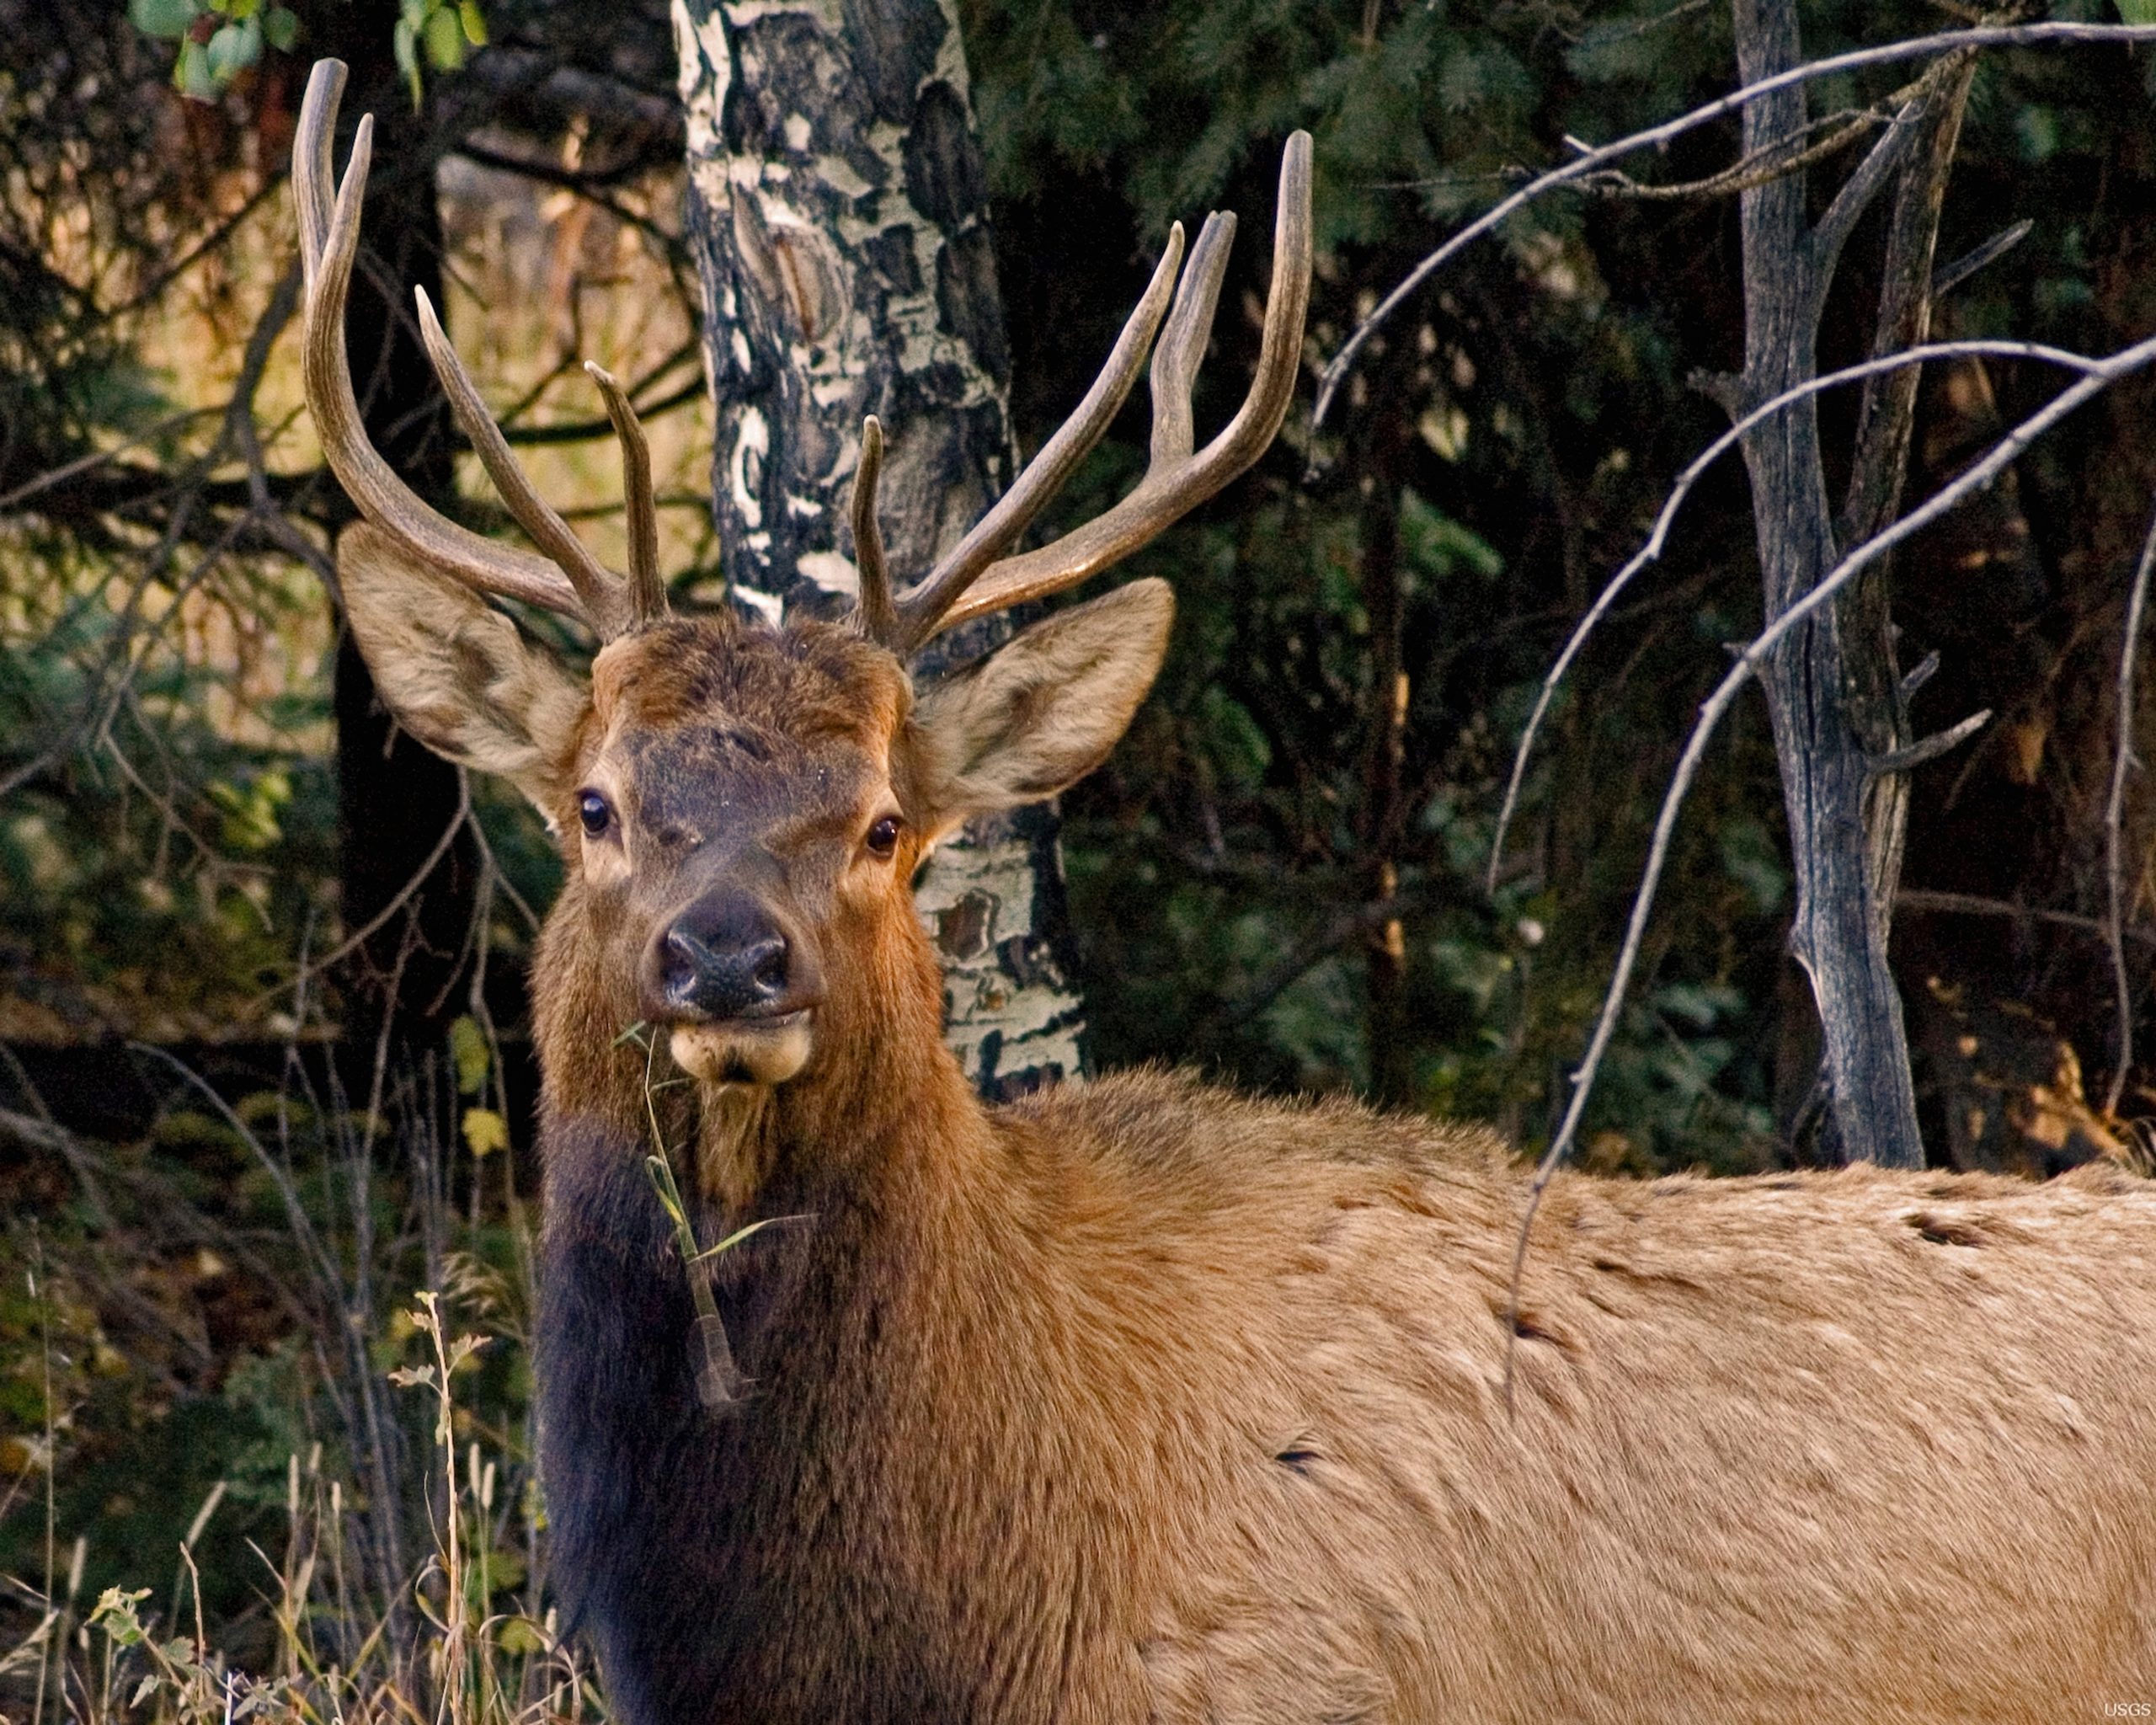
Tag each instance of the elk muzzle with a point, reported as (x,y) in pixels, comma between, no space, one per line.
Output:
(737,989)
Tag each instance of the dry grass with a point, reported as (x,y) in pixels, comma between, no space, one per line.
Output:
(447,1650)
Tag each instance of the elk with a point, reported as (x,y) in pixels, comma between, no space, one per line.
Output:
(1137,1400)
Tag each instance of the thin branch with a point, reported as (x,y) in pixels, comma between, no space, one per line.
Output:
(1758,168)
(1658,537)
(97,457)
(1922,902)
(1880,163)
(2122,762)
(1887,54)
(2099,376)
(366,931)
(1914,755)
(1990,252)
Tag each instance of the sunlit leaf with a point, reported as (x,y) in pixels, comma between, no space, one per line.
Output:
(485,1131)
(445,37)
(468,1047)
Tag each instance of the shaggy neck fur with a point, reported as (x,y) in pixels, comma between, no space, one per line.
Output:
(660,1506)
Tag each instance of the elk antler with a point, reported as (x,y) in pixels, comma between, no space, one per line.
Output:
(974,579)
(568,578)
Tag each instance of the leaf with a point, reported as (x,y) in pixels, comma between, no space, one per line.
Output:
(405,40)
(468,1047)
(229,52)
(485,1131)
(475,25)
(164,18)
(281,27)
(445,39)
(192,75)
(2138,11)
(239,11)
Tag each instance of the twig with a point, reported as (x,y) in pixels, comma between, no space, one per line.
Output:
(1945,281)
(1928,749)
(1886,54)
(97,457)
(1774,162)
(1921,900)
(2123,762)
(1658,537)
(2099,376)
(352,941)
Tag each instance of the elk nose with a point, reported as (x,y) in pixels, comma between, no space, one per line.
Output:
(721,973)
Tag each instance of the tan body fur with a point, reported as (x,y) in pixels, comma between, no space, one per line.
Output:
(1847,1446)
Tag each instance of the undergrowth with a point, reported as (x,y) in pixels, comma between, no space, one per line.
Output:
(266,1436)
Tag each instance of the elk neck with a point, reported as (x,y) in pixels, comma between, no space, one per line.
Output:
(882,1116)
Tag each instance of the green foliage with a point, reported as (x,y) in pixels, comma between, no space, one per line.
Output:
(218,39)
(439,31)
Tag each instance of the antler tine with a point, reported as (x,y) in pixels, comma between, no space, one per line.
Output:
(329,237)
(919,612)
(647,590)
(1182,347)
(1175,481)
(313,169)
(874,614)
(598,589)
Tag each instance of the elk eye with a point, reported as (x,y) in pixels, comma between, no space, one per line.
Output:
(883,836)
(592,811)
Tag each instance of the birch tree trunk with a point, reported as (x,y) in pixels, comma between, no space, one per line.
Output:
(837,211)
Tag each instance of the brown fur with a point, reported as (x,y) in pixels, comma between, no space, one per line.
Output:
(1142,1400)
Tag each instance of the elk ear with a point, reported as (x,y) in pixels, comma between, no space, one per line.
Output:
(1041,712)
(455,671)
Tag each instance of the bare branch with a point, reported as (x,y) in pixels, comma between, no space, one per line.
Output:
(1658,537)
(1880,163)
(2122,762)
(1886,54)
(1759,166)
(1920,900)
(1930,748)
(2098,376)
(1990,252)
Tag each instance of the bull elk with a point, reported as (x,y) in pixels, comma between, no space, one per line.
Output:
(1137,1400)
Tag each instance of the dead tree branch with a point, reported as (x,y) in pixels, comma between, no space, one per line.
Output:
(1886,54)
(1658,537)
(2123,761)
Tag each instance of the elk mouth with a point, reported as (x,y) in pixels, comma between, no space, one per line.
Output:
(759,1051)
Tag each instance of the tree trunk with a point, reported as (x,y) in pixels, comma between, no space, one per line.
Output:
(837,209)
(1833,690)
(395,799)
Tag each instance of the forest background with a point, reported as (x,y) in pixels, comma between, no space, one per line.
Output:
(251,1107)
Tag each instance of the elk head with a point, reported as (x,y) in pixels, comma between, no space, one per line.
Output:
(741,807)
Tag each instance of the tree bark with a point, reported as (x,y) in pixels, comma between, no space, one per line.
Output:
(395,799)
(1833,692)
(837,209)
